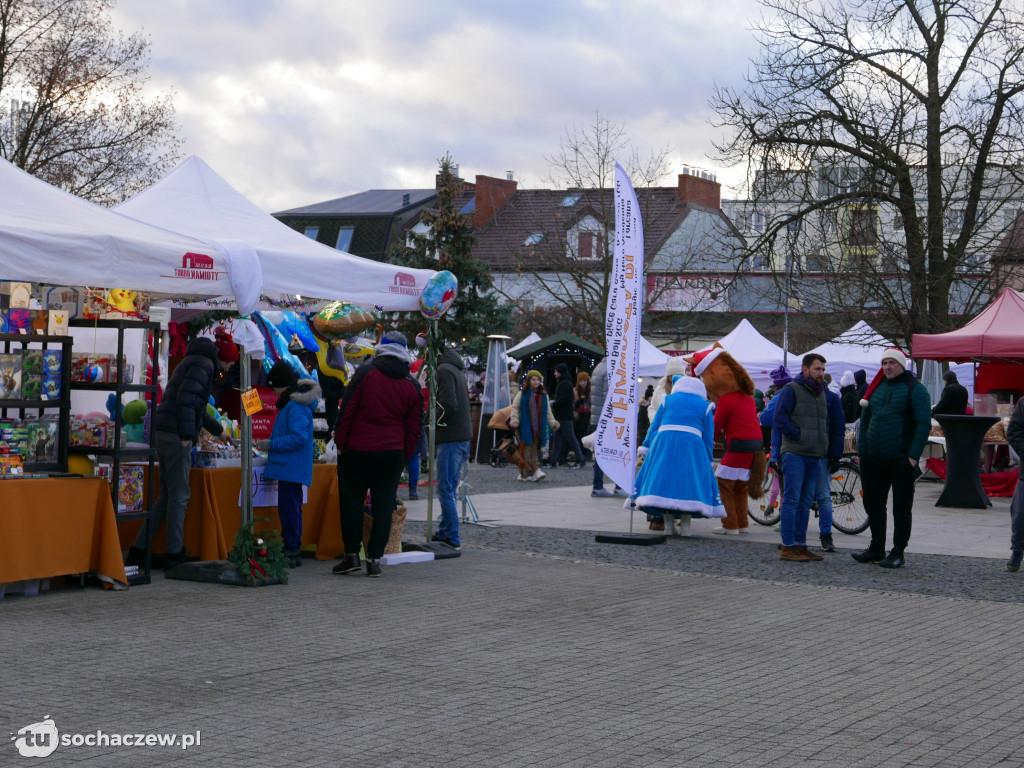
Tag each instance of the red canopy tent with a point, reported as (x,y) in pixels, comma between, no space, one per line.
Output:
(993,336)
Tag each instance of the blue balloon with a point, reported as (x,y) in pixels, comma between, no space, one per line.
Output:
(438,294)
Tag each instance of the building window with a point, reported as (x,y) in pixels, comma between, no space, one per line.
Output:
(589,245)
(312,232)
(752,221)
(955,219)
(570,200)
(897,222)
(344,238)
(828,221)
(534,238)
(794,226)
(816,262)
(862,227)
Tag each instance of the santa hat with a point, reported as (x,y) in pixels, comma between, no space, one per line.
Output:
(226,349)
(702,360)
(892,353)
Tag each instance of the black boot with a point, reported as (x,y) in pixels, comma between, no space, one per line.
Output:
(294,558)
(894,559)
(348,564)
(373,568)
(868,555)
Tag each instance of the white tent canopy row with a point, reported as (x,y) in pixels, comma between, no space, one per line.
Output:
(753,351)
(189,235)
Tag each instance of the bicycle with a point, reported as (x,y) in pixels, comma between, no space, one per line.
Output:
(848,513)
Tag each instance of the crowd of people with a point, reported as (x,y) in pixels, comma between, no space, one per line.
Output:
(798,427)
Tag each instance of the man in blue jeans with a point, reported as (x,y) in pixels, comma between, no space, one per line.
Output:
(801,417)
(453,433)
(829,465)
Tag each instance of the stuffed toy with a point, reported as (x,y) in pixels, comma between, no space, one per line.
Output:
(122,300)
(741,472)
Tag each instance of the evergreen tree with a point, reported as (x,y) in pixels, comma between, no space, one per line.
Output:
(448,244)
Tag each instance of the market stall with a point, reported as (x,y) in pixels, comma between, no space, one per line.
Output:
(754,352)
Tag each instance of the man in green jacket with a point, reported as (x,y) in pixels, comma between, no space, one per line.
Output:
(894,428)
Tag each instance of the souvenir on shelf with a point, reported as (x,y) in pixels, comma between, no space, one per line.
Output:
(41,440)
(15,320)
(10,376)
(64,299)
(57,322)
(129,489)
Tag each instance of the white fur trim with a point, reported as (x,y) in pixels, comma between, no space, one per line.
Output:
(863,403)
(642,450)
(690,386)
(679,505)
(709,358)
(732,473)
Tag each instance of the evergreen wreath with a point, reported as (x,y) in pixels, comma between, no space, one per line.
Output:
(259,558)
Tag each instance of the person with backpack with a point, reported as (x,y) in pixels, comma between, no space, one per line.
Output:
(894,426)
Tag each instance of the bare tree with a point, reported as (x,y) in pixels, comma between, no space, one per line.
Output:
(72,111)
(883,140)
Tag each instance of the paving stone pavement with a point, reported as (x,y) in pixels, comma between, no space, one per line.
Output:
(533,649)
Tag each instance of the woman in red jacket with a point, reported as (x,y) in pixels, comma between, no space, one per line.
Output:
(378,428)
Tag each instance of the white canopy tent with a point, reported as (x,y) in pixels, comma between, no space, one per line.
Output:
(754,352)
(50,236)
(652,360)
(856,348)
(194,199)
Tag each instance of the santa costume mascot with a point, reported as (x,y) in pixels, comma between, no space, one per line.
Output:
(676,478)
(741,472)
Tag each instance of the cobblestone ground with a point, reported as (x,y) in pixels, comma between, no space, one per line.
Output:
(537,647)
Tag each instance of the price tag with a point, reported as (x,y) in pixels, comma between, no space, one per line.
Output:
(251,402)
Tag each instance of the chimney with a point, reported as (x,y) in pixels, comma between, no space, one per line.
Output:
(405,200)
(700,189)
(491,194)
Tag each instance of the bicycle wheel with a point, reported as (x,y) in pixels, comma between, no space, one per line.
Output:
(848,513)
(767,510)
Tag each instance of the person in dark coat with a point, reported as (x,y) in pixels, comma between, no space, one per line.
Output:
(953,400)
(378,427)
(860,378)
(452,435)
(564,439)
(850,395)
(290,449)
(176,424)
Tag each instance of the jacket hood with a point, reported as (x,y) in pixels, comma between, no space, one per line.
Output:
(304,392)
(563,369)
(861,377)
(202,346)
(392,366)
(452,357)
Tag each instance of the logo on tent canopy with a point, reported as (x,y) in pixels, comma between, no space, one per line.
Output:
(196,266)
(404,284)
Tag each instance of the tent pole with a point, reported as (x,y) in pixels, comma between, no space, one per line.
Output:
(244,385)
(432,335)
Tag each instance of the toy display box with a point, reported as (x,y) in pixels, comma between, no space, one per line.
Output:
(10,376)
(130,488)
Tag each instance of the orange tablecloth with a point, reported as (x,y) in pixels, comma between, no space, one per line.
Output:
(213,515)
(57,527)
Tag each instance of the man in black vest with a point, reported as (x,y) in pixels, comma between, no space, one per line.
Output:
(801,417)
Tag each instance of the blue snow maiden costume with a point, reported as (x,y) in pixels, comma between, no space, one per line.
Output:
(677,474)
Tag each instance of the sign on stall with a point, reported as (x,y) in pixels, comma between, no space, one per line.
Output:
(251,402)
(264,490)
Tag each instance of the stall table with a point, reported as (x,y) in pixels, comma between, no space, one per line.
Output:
(56,527)
(214,516)
(964,437)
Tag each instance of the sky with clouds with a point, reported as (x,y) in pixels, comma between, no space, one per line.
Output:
(299,101)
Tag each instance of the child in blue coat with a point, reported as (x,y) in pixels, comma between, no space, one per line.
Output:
(290,447)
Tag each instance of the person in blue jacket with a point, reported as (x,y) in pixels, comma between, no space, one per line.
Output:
(290,447)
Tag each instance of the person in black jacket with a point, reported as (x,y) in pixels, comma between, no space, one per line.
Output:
(564,438)
(953,400)
(453,432)
(850,396)
(176,424)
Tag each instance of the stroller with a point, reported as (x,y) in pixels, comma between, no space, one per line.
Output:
(507,450)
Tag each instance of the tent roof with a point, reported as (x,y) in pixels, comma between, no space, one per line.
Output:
(193,198)
(858,347)
(50,236)
(562,337)
(993,335)
(756,353)
(531,339)
(652,360)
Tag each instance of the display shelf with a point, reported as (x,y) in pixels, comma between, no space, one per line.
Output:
(123,454)
(19,342)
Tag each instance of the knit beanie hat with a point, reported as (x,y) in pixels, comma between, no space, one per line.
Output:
(780,376)
(847,380)
(675,366)
(394,337)
(226,350)
(281,375)
(538,374)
